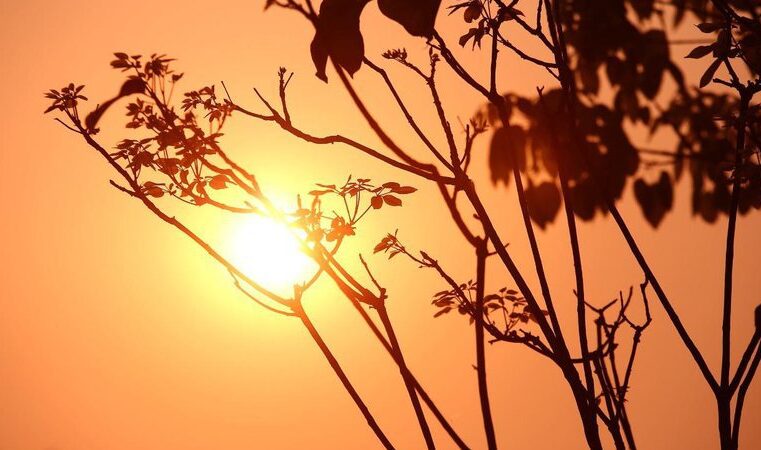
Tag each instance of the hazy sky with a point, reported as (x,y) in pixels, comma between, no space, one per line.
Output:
(117,333)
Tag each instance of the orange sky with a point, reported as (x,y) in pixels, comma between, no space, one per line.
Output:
(116,332)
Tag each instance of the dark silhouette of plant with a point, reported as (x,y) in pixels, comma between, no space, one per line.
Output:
(568,148)
(634,59)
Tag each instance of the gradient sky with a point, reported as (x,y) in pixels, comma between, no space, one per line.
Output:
(117,333)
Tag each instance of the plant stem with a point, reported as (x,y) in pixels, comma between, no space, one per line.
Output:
(587,410)
(577,264)
(557,332)
(726,325)
(725,424)
(483,392)
(408,383)
(724,395)
(349,294)
(741,397)
(342,376)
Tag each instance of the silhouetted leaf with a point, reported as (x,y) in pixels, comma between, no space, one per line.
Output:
(589,79)
(708,74)
(152,189)
(655,200)
(507,148)
(707,207)
(700,51)
(643,8)
(384,244)
(392,200)
(476,33)
(472,12)
(723,44)
(405,190)
(615,69)
(584,198)
(543,202)
(417,17)
(133,85)
(750,45)
(219,181)
(654,62)
(338,36)
(442,312)
(709,27)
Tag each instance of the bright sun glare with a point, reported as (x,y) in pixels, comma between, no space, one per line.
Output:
(266,251)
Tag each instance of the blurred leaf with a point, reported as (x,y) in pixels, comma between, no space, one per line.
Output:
(507,148)
(655,200)
(442,311)
(543,202)
(654,62)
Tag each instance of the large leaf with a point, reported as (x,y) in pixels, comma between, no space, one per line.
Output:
(585,198)
(416,16)
(543,202)
(507,149)
(655,199)
(338,36)
(654,62)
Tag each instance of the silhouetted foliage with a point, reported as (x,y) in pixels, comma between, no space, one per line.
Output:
(608,44)
(338,34)
(622,50)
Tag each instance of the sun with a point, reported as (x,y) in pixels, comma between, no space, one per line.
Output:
(269,253)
